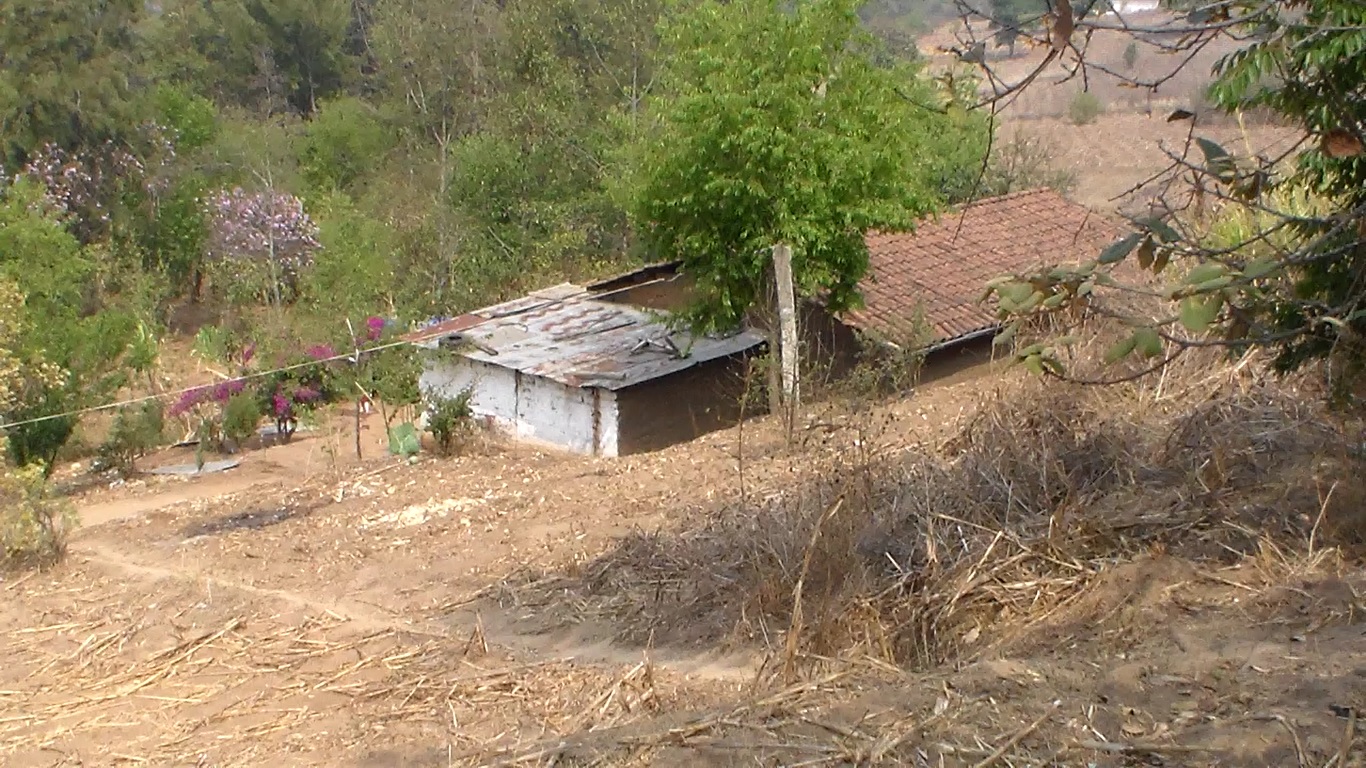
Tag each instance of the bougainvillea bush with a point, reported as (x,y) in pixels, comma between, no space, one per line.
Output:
(298,379)
(389,371)
(289,395)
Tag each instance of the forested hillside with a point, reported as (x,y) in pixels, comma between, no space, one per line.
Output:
(417,155)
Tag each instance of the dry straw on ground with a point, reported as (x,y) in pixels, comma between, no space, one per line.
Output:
(916,558)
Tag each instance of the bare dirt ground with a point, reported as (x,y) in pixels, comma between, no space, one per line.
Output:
(1112,158)
(1130,141)
(461,612)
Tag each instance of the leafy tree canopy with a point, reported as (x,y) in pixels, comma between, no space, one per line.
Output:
(66,68)
(779,123)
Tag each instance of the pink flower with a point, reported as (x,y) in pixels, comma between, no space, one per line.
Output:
(187,401)
(281,406)
(320,352)
(375,328)
(223,391)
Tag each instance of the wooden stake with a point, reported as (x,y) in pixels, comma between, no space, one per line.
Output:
(356,346)
(787,322)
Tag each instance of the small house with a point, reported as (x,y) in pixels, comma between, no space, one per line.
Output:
(925,287)
(583,370)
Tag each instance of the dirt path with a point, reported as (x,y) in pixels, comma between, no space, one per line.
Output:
(99,513)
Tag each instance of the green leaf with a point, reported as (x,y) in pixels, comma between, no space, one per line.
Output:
(1203,272)
(1212,151)
(1199,312)
(1034,363)
(1213,285)
(1148,343)
(1120,350)
(1015,292)
(1006,335)
(1261,267)
(1120,249)
(1217,160)
(1158,227)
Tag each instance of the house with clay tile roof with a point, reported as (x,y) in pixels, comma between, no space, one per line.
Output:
(927,284)
(592,369)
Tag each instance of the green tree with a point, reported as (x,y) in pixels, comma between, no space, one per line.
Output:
(267,55)
(67,69)
(55,275)
(305,42)
(353,273)
(32,522)
(193,119)
(1130,54)
(343,144)
(1271,254)
(437,71)
(778,125)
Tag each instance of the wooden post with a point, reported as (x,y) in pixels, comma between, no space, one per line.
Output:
(787,323)
(356,346)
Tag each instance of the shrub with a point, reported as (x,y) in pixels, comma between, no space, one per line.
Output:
(1025,162)
(449,419)
(39,442)
(136,431)
(241,417)
(1084,108)
(34,523)
(290,395)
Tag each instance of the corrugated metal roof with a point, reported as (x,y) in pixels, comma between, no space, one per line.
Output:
(583,342)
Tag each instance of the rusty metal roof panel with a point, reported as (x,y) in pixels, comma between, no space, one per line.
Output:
(582,342)
(428,335)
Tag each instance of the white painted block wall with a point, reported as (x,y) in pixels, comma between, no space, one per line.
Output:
(609,421)
(493,394)
(531,408)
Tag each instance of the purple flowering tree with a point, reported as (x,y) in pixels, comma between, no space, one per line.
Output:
(88,184)
(265,237)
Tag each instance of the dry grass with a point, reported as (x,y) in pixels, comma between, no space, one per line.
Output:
(1056,516)
(917,557)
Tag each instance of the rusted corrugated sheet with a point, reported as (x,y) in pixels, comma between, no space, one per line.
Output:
(444,328)
(583,342)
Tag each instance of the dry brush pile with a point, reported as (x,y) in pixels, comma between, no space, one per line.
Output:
(923,555)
